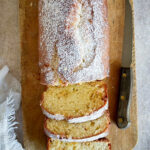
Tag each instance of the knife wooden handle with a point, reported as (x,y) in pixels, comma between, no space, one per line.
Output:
(125,96)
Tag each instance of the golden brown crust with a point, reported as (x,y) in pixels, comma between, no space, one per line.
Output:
(106,41)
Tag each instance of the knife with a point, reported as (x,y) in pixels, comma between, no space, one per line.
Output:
(125,90)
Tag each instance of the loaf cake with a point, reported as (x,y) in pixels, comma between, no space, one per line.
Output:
(73,60)
(101,144)
(78,132)
(73,41)
(75,103)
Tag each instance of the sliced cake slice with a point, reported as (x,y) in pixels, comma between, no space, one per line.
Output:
(75,103)
(101,144)
(78,132)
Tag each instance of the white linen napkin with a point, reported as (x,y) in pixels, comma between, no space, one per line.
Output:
(10,97)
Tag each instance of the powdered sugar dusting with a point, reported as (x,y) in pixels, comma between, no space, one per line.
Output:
(72,40)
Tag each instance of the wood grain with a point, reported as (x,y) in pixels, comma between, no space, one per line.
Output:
(31,89)
(121,139)
(34,138)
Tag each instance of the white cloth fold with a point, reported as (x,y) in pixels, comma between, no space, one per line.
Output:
(10,97)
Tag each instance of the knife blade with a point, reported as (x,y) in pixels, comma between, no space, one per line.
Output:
(125,90)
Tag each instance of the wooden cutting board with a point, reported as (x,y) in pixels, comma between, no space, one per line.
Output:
(34,138)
